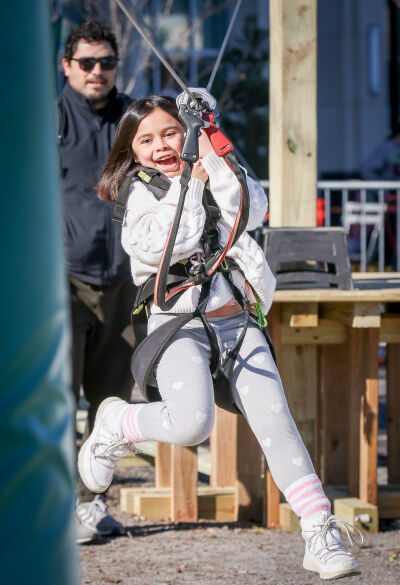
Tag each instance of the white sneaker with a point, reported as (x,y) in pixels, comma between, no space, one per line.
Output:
(326,552)
(84,534)
(96,516)
(105,446)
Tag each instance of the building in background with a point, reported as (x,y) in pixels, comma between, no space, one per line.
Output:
(358,68)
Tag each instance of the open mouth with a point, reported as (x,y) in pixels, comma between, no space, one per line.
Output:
(167,161)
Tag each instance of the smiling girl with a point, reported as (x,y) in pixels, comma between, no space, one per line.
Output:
(150,136)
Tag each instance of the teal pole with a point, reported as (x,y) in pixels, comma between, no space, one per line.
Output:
(36,413)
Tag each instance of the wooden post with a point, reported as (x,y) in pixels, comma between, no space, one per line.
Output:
(223,448)
(184,505)
(334,390)
(271,501)
(363,414)
(293,113)
(300,381)
(250,489)
(163,465)
(393,411)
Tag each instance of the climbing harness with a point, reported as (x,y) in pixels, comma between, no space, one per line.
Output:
(196,110)
(171,281)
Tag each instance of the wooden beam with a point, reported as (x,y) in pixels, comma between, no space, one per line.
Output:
(353,315)
(326,295)
(293,112)
(300,314)
(390,329)
(326,332)
(184,507)
(393,411)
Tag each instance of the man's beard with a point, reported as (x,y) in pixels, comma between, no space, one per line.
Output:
(99,97)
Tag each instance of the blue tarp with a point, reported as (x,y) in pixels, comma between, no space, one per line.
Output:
(36,411)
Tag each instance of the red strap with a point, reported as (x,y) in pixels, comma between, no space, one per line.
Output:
(219,142)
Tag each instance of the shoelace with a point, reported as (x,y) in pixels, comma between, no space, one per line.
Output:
(113,452)
(329,528)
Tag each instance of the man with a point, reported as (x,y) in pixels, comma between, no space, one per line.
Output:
(101,289)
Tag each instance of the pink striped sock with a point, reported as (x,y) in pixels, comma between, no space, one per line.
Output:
(307,497)
(130,428)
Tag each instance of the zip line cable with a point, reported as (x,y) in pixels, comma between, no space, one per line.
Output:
(152,46)
(223,46)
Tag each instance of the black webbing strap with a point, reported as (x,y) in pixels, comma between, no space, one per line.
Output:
(211,264)
(121,200)
(159,186)
(160,287)
(149,350)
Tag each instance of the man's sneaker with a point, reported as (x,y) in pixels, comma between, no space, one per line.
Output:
(326,552)
(84,534)
(95,515)
(105,446)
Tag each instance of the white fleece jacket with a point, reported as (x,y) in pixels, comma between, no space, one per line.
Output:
(147,223)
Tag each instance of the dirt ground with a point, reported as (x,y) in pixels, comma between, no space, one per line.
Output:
(210,553)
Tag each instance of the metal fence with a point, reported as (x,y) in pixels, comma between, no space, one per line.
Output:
(370,213)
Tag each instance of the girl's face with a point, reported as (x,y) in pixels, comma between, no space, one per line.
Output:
(158,142)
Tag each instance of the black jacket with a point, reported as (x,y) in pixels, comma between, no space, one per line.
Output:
(93,241)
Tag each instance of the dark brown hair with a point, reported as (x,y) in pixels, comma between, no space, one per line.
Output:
(120,161)
(91,32)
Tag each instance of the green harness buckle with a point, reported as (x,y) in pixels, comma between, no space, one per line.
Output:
(138,309)
(224,265)
(144,176)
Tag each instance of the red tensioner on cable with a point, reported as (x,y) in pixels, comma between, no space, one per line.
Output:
(219,142)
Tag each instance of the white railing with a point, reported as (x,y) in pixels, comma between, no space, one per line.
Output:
(370,213)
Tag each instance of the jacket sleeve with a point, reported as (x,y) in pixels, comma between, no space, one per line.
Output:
(147,223)
(227,192)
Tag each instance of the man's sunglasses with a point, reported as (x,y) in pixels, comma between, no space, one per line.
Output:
(89,63)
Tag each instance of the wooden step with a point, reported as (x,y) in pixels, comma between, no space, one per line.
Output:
(155,503)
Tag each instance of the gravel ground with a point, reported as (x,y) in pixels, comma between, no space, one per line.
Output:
(210,553)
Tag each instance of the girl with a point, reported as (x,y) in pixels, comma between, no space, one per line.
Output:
(150,135)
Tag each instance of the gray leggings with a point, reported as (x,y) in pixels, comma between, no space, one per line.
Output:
(185,415)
